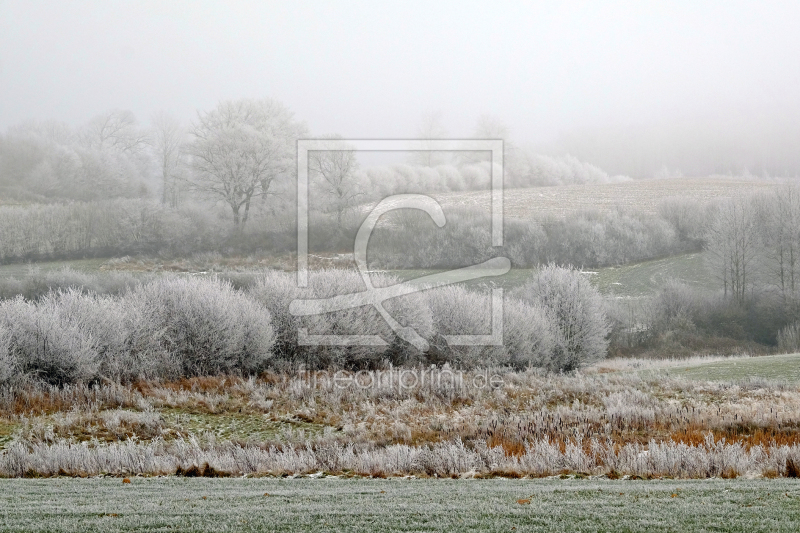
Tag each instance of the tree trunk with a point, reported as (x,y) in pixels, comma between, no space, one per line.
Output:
(246,211)
(236,220)
(165,186)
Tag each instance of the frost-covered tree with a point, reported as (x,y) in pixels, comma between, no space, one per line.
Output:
(577,311)
(240,148)
(733,242)
(490,128)
(335,174)
(115,130)
(113,156)
(783,241)
(429,129)
(168,142)
(106,158)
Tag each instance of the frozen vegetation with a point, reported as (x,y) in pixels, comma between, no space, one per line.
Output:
(171,327)
(438,423)
(397,505)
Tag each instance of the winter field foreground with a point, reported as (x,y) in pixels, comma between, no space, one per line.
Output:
(175,504)
(619,418)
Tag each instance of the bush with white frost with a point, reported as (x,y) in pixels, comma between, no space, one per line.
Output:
(7,363)
(458,311)
(527,330)
(46,343)
(202,327)
(276,290)
(170,327)
(789,338)
(529,335)
(577,312)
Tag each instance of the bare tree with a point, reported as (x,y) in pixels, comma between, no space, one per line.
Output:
(116,129)
(487,127)
(113,157)
(169,145)
(490,127)
(733,245)
(335,172)
(239,149)
(430,129)
(783,236)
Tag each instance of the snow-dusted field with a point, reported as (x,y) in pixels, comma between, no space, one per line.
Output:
(643,195)
(270,504)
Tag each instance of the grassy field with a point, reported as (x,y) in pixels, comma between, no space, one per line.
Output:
(24,270)
(643,195)
(635,280)
(629,281)
(646,278)
(514,278)
(269,504)
(772,367)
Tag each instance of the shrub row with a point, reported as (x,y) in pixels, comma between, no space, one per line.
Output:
(410,239)
(406,239)
(681,320)
(171,327)
(131,227)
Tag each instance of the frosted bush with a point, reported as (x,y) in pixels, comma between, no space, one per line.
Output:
(169,327)
(110,326)
(580,325)
(528,335)
(527,330)
(276,290)
(47,343)
(200,327)
(458,311)
(7,362)
(789,338)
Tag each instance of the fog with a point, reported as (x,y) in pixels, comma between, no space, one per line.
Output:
(206,272)
(628,86)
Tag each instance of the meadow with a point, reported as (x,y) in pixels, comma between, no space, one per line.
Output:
(632,280)
(617,418)
(784,367)
(648,277)
(148,403)
(330,504)
(642,195)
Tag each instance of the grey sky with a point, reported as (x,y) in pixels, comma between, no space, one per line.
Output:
(371,69)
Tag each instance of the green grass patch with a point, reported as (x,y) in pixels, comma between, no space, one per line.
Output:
(646,278)
(7,430)
(635,280)
(22,271)
(269,504)
(771,367)
(514,278)
(236,426)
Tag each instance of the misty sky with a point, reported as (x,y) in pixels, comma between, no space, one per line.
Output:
(371,69)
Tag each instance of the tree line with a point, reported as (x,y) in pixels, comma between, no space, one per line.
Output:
(750,245)
(238,152)
(139,227)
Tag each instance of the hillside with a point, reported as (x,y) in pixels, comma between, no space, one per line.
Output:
(643,195)
(647,277)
